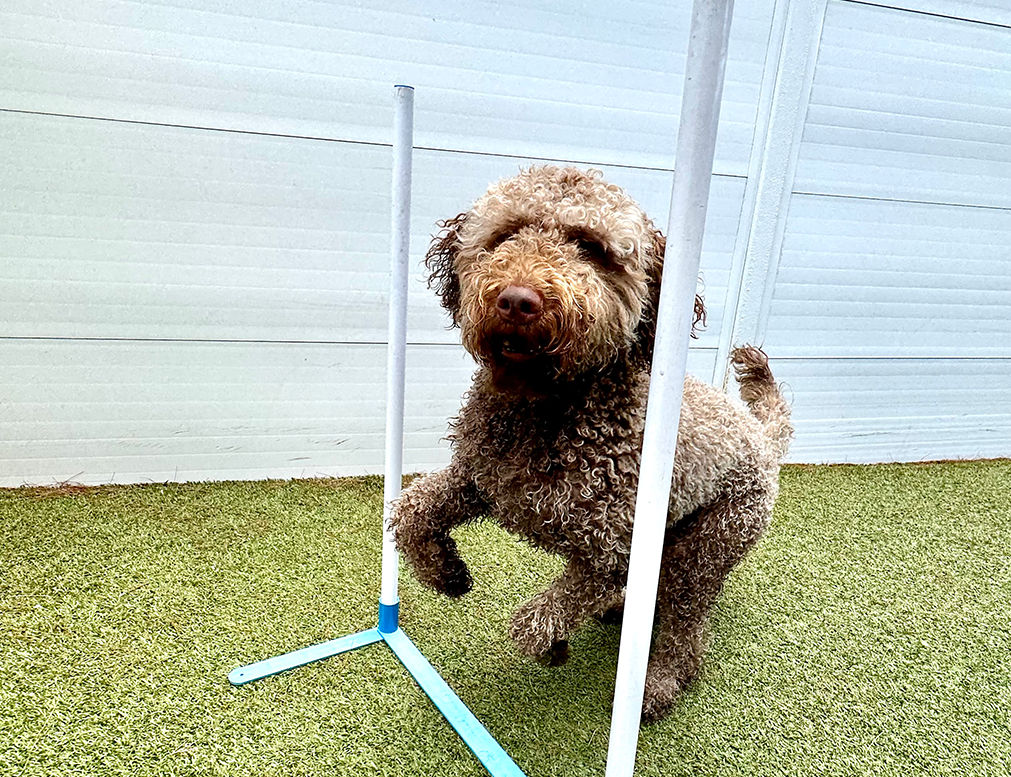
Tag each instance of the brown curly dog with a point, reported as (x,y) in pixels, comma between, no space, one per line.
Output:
(553,279)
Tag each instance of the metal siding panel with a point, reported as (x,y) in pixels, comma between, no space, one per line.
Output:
(891,311)
(125,231)
(909,106)
(985,11)
(123,412)
(97,412)
(560,80)
(175,242)
(113,230)
(870,278)
(876,410)
(119,230)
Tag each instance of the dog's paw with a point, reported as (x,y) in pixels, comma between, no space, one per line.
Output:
(655,709)
(613,616)
(556,655)
(454,579)
(534,628)
(664,685)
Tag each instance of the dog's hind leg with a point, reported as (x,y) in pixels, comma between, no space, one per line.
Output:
(422,519)
(698,555)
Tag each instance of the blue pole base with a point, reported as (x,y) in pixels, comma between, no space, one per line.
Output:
(389,615)
(482,744)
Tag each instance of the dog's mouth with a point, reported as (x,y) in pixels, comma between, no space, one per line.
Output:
(520,362)
(516,348)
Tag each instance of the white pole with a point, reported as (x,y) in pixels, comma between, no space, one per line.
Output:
(700,111)
(403,130)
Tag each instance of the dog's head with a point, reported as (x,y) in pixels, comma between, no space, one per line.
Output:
(552,274)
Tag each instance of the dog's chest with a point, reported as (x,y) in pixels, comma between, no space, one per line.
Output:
(553,475)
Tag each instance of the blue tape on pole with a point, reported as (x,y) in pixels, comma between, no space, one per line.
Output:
(277,664)
(475,736)
(389,615)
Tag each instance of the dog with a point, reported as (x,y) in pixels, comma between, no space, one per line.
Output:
(553,279)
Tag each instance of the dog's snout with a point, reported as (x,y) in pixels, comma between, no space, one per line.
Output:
(519,304)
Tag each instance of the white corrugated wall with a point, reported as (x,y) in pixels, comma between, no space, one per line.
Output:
(891,308)
(194,210)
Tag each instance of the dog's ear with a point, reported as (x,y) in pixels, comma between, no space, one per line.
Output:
(440,261)
(646,331)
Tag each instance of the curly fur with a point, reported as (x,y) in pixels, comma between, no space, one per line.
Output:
(548,440)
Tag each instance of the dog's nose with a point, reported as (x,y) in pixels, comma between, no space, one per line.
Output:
(519,304)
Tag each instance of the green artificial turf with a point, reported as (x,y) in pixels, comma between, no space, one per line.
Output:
(868,634)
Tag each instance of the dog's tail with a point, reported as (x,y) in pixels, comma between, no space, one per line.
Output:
(759,390)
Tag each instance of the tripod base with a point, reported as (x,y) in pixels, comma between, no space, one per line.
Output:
(491,755)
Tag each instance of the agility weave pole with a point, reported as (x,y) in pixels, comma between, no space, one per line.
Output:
(707,54)
(709,37)
(475,736)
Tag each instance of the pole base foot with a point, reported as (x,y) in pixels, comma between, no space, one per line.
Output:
(489,752)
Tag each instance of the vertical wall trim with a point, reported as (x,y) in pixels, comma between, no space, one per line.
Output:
(794,39)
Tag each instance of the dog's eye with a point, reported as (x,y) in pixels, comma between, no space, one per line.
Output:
(594,251)
(498,240)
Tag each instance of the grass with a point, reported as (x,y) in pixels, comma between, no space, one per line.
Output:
(868,634)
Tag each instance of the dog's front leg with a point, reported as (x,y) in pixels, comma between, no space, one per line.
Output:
(542,626)
(422,518)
